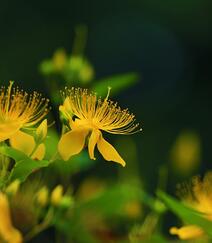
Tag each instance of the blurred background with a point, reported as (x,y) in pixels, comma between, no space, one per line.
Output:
(168,44)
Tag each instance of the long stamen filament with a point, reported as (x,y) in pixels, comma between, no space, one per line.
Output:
(105,115)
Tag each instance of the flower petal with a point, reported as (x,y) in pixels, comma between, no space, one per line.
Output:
(39,152)
(109,152)
(92,142)
(7,129)
(7,231)
(72,143)
(23,142)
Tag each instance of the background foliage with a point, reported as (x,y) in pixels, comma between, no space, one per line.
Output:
(155,55)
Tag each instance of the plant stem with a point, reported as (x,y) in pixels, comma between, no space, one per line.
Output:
(40,227)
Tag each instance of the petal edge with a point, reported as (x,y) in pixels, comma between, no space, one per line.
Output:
(109,152)
(72,143)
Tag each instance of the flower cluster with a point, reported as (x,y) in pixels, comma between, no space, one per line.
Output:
(198,195)
(87,115)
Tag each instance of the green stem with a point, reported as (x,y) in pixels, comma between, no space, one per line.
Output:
(80,40)
(40,227)
(5,161)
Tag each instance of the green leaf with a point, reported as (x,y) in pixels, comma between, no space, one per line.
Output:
(188,215)
(24,165)
(77,232)
(51,143)
(110,201)
(12,153)
(24,168)
(75,164)
(116,82)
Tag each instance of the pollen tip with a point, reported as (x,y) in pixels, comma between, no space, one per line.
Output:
(123,164)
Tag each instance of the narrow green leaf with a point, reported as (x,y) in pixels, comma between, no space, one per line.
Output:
(24,165)
(12,153)
(116,82)
(24,168)
(187,214)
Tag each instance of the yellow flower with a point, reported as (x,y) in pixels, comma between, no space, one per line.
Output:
(199,197)
(87,115)
(7,231)
(186,152)
(19,110)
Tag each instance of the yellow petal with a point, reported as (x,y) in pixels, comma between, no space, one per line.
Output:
(65,109)
(41,132)
(187,232)
(7,130)
(23,142)
(39,152)
(92,142)
(109,152)
(72,143)
(7,231)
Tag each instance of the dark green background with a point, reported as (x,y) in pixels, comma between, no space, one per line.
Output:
(167,42)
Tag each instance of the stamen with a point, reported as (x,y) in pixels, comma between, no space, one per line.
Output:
(108,92)
(105,115)
(16,105)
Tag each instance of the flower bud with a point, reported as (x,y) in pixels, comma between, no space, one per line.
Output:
(13,187)
(57,195)
(42,196)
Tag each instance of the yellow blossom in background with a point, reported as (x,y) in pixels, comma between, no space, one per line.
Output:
(7,231)
(57,195)
(87,116)
(186,152)
(133,209)
(19,110)
(90,188)
(198,196)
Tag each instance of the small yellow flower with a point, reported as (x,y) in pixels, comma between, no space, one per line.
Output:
(19,110)
(7,231)
(87,116)
(186,152)
(199,197)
